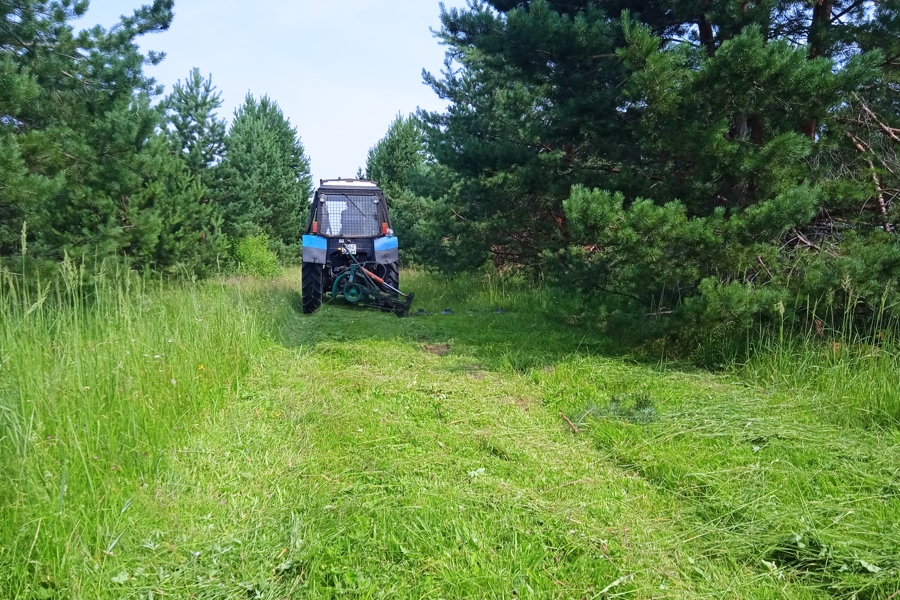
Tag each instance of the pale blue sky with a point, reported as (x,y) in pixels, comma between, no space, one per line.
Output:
(341,70)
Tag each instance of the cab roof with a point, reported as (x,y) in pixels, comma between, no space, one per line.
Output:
(348,183)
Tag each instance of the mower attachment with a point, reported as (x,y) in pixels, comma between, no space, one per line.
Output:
(358,285)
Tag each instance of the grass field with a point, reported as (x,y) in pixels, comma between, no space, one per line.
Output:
(207,441)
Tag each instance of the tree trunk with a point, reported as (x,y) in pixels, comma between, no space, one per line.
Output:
(821,19)
(707,38)
(817,40)
(757,129)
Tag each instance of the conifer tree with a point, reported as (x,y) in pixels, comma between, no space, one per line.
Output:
(765,127)
(195,131)
(394,160)
(75,119)
(81,159)
(168,225)
(266,177)
(27,25)
(415,186)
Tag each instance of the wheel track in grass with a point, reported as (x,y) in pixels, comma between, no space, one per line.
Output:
(426,481)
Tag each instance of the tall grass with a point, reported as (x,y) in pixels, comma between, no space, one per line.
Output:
(486,290)
(99,376)
(849,369)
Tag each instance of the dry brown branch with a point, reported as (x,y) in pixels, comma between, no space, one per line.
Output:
(803,240)
(860,145)
(891,132)
(879,191)
(882,205)
(763,265)
(571,424)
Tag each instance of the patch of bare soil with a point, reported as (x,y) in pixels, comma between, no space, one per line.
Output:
(437,349)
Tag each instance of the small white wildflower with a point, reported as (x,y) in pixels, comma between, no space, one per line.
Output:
(174,382)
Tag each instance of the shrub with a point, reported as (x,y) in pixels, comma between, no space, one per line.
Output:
(254,257)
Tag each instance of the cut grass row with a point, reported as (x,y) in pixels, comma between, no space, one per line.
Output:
(350,453)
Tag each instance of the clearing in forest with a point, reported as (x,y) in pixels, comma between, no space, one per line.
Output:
(481,454)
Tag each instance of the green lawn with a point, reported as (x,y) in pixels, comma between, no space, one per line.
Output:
(207,441)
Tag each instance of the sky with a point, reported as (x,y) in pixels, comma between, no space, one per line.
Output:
(341,70)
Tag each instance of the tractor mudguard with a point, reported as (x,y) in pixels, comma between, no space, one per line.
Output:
(315,249)
(387,250)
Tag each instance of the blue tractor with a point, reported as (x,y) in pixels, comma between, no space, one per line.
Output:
(349,248)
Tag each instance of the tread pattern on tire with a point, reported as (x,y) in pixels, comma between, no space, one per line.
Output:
(392,278)
(392,275)
(311,281)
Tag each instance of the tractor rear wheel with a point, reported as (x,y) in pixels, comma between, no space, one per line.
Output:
(392,276)
(311,280)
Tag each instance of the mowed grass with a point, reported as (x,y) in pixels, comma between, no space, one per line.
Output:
(483,453)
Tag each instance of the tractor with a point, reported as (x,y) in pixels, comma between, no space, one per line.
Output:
(350,250)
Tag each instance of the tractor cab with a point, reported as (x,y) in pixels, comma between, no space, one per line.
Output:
(349,208)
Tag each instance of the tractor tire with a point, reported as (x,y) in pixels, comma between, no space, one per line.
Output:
(392,278)
(392,275)
(311,280)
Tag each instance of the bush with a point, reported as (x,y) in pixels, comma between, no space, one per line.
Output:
(254,257)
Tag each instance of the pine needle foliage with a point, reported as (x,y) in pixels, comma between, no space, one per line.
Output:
(698,161)
(266,181)
(84,166)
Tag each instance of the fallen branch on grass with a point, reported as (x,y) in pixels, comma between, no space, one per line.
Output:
(571,424)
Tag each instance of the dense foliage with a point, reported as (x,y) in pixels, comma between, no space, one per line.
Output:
(266,181)
(702,158)
(92,166)
(194,128)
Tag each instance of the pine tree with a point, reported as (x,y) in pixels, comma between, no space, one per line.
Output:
(266,177)
(194,129)
(19,185)
(168,225)
(763,126)
(533,112)
(394,160)
(81,159)
(23,184)
(75,119)
(415,186)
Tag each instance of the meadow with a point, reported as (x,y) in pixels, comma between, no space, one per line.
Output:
(206,440)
